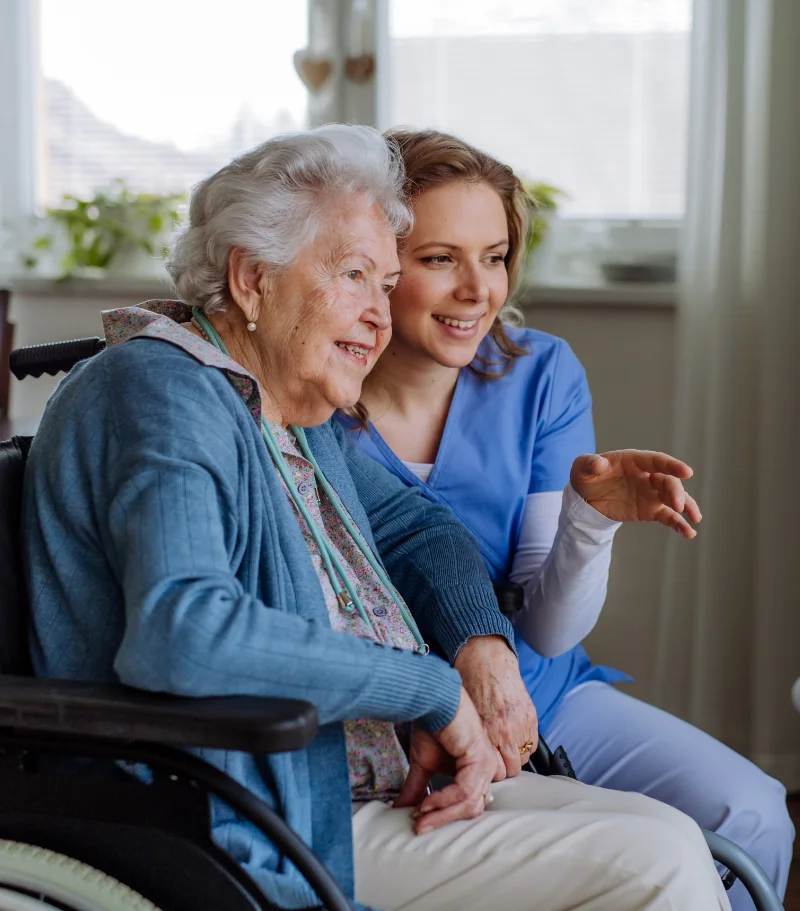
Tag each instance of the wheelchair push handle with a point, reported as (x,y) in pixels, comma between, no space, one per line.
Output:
(53,357)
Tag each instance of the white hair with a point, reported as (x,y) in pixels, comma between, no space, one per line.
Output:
(271,200)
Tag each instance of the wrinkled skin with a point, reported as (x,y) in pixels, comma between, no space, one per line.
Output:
(336,290)
(490,674)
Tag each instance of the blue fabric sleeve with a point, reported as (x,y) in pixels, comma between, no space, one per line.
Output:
(191,628)
(429,555)
(567,430)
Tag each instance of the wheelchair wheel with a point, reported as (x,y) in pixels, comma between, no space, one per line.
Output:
(31,876)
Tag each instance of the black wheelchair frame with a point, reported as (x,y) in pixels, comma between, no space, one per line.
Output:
(155,837)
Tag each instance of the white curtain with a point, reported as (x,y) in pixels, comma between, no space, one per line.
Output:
(729,623)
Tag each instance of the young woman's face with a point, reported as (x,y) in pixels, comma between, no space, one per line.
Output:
(454,278)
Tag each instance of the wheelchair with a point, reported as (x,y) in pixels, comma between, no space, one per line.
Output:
(77,833)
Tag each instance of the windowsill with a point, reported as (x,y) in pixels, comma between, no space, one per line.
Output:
(139,289)
(602,294)
(557,294)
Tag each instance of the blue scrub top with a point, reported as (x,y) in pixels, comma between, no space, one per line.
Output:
(505,439)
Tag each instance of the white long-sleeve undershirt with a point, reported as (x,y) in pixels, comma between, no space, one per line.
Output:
(562,562)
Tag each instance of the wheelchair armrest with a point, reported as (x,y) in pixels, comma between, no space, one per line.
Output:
(72,708)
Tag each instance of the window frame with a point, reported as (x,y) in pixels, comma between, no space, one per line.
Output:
(19,59)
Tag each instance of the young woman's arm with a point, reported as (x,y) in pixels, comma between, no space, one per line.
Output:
(563,553)
(562,562)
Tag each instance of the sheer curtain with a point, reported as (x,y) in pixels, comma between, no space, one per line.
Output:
(729,624)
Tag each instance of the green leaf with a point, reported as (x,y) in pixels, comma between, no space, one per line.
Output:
(67,262)
(542,197)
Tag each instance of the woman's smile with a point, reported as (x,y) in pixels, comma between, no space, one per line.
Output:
(458,327)
(355,352)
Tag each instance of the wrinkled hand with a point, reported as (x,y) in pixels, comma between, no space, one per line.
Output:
(634,485)
(490,674)
(460,749)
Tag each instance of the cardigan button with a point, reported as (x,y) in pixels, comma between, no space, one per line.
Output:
(379,611)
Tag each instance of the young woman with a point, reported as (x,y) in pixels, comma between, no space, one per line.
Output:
(496,422)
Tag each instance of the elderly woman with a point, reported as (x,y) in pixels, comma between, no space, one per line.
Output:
(195,525)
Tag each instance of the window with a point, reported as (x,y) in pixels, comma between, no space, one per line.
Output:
(587,95)
(163,94)
(590,96)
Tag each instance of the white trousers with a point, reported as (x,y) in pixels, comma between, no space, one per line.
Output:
(544,844)
(616,741)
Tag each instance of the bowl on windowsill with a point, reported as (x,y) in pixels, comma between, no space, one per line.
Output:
(656,272)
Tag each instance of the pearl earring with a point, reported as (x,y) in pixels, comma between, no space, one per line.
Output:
(251,327)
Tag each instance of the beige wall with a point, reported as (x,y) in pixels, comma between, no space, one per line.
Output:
(628,355)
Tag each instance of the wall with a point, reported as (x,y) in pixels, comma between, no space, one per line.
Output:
(628,354)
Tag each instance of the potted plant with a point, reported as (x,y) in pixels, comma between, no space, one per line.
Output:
(95,235)
(544,199)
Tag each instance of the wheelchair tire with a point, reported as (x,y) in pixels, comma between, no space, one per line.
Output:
(38,872)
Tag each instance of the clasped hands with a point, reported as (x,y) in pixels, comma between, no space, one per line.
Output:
(495,728)
(492,734)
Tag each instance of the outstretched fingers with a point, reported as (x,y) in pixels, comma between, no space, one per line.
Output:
(675,521)
(672,494)
(692,510)
(669,490)
(661,463)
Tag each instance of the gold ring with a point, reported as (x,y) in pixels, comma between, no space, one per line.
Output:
(488,797)
(526,747)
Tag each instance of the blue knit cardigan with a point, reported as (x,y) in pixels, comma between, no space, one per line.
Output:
(161,551)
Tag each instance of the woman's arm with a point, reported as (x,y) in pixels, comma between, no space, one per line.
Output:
(173,537)
(562,562)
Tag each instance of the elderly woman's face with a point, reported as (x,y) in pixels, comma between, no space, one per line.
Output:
(326,320)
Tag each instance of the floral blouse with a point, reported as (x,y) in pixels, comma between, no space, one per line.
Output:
(376,759)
